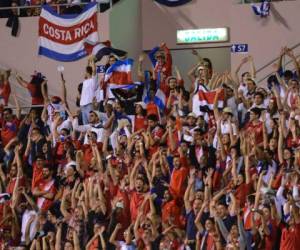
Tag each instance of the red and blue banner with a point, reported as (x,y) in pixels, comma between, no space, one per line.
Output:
(61,37)
(119,74)
(173,3)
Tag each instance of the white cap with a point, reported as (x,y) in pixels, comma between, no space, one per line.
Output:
(141,104)
(192,115)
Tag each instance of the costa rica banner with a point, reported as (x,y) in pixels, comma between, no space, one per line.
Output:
(61,37)
(173,3)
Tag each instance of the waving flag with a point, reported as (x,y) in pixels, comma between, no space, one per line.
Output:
(61,37)
(101,49)
(4,197)
(119,73)
(172,3)
(159,98)
(263,9)
(207,98)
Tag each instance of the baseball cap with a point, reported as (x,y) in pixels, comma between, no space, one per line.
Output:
(227,110)
(97,113)
(192,114)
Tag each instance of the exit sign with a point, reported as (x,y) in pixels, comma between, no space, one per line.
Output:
(213,35)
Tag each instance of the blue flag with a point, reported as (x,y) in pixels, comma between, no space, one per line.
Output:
(172,3)
(262,10)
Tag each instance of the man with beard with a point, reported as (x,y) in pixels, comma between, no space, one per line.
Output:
(45,190)
(154,133)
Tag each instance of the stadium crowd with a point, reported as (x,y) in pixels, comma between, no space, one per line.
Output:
(129,170)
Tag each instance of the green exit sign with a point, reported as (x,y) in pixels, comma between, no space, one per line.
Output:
(203,36)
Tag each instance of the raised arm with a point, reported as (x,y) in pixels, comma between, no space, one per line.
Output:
(216,110)
(247,170)
(280,142)
(198,218)
(58,237)
(64,89)
(91,63)
(178,75)
(252,67)
(237,71)
(279,62)
(191,76)
(113,236)
(141,76)
(21,81)
(186,198)
(195,53)
(44,90)
(168,55)
(233,171)
(133,175)
(76,240)
(18,108)
(290,53)
(151,55)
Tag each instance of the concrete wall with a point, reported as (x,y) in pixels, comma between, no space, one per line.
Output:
(264,36)
(20,53)
(126,27)
(136,25)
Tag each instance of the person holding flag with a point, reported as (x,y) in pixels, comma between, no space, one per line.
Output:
(161,60)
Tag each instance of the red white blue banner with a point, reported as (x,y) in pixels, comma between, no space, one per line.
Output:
(61,37)
(172,3)
(119,73)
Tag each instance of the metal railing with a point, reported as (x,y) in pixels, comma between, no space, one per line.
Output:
(273,61)
(58,7)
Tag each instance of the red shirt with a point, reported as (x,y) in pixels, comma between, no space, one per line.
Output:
(5,92)
(171,209)
(179,179)
(166,68)
(152,108)
(88,152)
(36,94)
(94,245)
(9,130)
(242,192)
(257,129)
(176,137)
(247,218)
(44,185)
(290,238)
(140,122)
(157,132)
(11,185)
(207,241)
(37,175)
(136,200)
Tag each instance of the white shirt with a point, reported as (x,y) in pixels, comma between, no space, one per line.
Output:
(97,128)
(51,109)
(231,103)
(89,88)
(225,129)
(25,218)
(124,246)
